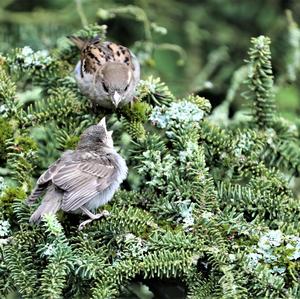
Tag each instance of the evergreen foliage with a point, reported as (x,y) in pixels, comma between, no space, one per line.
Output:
(212,205)
(261,82)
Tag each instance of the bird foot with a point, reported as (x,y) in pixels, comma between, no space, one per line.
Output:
(104,213)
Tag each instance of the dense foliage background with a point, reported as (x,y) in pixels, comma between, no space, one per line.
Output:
(210,208)
(213,35)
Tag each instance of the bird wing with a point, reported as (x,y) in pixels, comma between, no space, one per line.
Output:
(83,178)
(45,179)
(92,54)
(118,53)
(48,175)
(95,54)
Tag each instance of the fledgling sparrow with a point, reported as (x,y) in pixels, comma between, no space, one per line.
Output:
(107,73)
(82,179)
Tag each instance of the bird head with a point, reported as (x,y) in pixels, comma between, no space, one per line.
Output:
(96,136)
(115,79)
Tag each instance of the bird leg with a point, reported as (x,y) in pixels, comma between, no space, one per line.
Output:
(92,216)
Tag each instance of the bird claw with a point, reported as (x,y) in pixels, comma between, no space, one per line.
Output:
(104,213)
(83,224)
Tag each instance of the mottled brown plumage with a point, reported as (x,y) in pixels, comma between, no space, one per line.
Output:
(107,72)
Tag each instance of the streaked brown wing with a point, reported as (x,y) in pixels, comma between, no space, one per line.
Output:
(119,53)
(95,54)
(92,57)
(82,180)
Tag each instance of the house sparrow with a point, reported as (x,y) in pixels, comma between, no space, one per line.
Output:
(107,73)
(82,179)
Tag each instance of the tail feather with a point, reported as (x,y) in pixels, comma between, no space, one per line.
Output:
(49,205)
(77,41)
(80,42)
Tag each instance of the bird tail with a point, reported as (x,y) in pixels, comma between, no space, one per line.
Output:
(50,204)
(80,42)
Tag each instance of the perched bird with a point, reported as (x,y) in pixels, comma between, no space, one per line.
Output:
(82,179)
(107,73)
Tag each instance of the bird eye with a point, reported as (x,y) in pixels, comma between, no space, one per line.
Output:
(104,86)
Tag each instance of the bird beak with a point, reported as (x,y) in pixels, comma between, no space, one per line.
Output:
(102,123)
(116,99)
